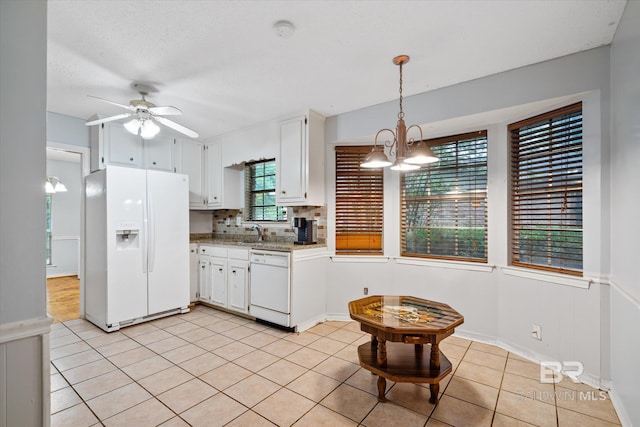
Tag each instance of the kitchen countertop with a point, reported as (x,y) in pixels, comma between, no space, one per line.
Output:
(267,245)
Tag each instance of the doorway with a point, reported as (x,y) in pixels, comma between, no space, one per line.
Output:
(66,168)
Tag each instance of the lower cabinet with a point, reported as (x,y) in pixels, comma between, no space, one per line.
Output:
(224,277)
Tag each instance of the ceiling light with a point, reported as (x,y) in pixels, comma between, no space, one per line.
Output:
(54,185)
(407,157)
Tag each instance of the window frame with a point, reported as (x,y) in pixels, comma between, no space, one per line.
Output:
(354,235)
(471,198)
(281,211)
(573,184)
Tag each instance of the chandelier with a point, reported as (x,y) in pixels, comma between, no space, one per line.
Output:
(409,154)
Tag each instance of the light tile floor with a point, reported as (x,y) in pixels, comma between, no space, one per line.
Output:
(211,368)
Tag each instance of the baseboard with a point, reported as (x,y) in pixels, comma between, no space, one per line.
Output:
(623,416)
(301,327)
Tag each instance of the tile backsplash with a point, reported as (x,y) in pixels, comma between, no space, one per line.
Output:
(224,225)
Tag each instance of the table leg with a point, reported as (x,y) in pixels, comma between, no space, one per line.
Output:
(382,352)
(382,386)
(434,364)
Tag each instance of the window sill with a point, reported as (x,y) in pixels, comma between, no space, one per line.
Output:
(459,265)
(557,278)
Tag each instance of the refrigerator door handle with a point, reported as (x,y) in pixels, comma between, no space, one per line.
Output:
(151,241)
(145,240)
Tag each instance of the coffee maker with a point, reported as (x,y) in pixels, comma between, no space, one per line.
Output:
(306,231)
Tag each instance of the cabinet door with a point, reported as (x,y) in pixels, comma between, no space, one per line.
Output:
(238,281)
(159,153)
(219,281)
(204,279)
(121,147)
(291,164)
(214,175)
(192,164)
(194,271)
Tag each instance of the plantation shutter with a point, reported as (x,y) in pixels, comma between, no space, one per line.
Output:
(359,203)
(444,205)
(546,199)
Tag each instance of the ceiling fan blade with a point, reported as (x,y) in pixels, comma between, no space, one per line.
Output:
(166,111)
(128,107)
(175,126)
(109,119)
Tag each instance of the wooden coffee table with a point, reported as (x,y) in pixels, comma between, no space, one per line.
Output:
(393,322)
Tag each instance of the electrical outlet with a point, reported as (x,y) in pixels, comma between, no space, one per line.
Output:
(366,291)
(536,332)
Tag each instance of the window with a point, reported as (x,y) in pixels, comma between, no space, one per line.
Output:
(546,195)
(444,205)
(359,203)
(48,230)
(260,179)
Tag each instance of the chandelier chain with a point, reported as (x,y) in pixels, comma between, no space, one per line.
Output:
(401,113)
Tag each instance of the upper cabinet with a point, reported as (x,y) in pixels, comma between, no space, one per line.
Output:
(112,144)
(190,161)
(211,186)
(223,184)
(300,161)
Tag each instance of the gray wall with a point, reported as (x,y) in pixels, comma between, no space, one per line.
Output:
(625,233)
(24,360)
(67,130)
(500,305)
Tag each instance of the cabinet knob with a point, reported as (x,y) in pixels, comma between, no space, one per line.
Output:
(131,158)
(203,266)
(154,163)
(234,272)
(220,270)
(283,192)
(215,197)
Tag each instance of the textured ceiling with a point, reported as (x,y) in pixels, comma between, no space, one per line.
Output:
(222,63)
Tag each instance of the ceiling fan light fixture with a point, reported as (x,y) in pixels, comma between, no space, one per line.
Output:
(149,129)
(133,126)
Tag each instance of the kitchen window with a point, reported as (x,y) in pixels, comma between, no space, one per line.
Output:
(546,191)
(260,205)
(444,205)
(359,203)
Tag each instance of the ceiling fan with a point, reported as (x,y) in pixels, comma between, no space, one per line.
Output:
(143,114)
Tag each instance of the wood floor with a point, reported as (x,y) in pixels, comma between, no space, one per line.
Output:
(63,298)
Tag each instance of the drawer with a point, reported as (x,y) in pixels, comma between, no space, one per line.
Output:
(238,253)
(215,251)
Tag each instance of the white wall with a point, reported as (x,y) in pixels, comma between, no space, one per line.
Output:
(24,327)
(625,234)
(65,218)
(499,304)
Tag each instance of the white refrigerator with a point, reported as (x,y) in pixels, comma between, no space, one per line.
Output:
(137,246)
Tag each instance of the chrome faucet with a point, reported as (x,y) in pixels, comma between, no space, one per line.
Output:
(258,227)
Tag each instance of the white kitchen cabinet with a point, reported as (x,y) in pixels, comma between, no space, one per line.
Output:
(190,161)
(238,285)
(159,153)
(204,277)
(112,144)
(300,161)
(194,265)
(223,183)
(224,277)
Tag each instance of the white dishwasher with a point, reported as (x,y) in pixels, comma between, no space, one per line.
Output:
(270,289)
